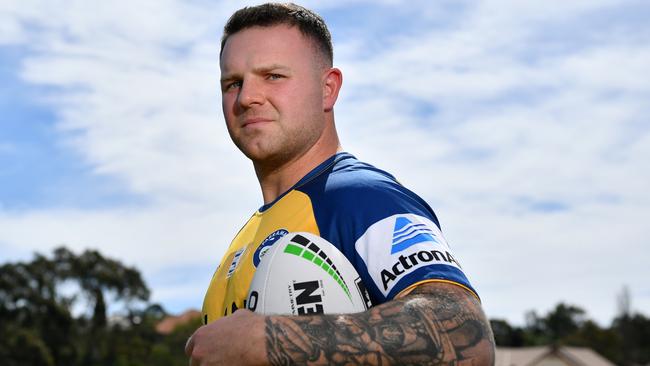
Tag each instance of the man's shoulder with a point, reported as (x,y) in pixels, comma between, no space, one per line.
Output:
(346,175)
(353,190)
(355,174)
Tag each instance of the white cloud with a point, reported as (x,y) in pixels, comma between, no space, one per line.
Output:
(138,101)
(10,32)
(132,106)
(481,116)
(508,133)
(152,239)
(149,236)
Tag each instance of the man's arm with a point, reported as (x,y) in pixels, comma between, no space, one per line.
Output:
(436,324)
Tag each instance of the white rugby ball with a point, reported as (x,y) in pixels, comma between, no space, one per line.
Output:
(304,274)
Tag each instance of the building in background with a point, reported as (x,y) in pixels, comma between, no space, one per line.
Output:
(549,356)
(171,322)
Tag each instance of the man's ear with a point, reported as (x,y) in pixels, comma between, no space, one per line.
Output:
(332,81)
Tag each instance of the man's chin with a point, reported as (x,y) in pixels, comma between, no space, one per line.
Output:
(261,156)
(268,159)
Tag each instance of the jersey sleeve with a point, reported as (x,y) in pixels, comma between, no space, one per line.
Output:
(402,250)
(391,236)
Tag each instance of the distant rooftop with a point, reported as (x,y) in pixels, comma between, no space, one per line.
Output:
(549,356)
(169,323)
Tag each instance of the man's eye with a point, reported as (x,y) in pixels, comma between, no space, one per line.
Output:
(275,76)
(233,85)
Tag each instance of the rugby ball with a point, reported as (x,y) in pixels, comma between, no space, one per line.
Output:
(304,274)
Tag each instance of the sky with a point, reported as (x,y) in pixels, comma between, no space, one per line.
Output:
(524,124)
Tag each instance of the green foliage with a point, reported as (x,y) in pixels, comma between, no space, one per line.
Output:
(23,347)
(634,331)
(37,326)
(625,342)
(605,341)
(505,335)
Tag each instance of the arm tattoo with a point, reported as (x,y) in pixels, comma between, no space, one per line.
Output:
(437,324)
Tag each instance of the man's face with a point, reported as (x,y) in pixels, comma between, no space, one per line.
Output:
(272,93)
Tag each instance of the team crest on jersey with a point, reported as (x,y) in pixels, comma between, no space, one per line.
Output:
(266,244)
(397,246)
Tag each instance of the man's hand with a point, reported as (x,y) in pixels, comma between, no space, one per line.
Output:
(232,340)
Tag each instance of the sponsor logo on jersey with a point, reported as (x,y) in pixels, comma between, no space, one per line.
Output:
(406,234)
(398,245)
(413,260)
(266,244)
(235,262)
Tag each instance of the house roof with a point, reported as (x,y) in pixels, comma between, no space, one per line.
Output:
(531,356)
(169,323)
(519,356)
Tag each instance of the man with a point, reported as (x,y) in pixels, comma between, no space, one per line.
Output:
(278,94)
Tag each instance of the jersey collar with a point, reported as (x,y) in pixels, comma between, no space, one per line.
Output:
(325,165)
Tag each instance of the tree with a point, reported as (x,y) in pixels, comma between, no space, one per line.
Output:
(626,342)
(634,333)
(563,321)
(33,314)
(624,302)
(23,347)
(36,318)
(506,335)
(603,340)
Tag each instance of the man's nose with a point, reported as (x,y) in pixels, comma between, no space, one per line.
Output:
(250,94)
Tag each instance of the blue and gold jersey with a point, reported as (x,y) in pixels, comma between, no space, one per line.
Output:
(389,234)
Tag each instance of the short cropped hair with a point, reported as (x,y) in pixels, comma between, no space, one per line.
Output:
(309,23)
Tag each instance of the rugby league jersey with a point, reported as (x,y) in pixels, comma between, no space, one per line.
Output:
(389,234)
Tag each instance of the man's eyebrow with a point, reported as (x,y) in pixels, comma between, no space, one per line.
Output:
(229,77)
(258,70)
(272,67)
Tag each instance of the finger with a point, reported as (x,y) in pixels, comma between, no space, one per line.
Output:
(189,346)
(194,362)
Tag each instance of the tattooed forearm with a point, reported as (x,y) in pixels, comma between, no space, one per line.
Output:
(437,324)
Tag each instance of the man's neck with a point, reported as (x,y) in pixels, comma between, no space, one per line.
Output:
(276,180)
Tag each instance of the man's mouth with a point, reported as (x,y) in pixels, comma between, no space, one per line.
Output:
(255,121)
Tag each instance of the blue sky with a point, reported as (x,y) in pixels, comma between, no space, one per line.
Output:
(523,123)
